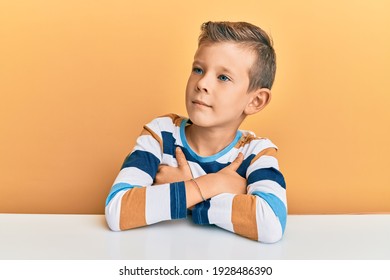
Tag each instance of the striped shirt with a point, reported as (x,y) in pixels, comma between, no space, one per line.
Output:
(135,201)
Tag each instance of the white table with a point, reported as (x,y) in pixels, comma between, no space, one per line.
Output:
(78,237)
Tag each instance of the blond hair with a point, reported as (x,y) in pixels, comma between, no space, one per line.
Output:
(262,72)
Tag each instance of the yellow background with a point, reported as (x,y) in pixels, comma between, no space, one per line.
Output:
(78,79)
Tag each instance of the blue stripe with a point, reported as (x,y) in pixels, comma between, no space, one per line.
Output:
(117,188)
(200,213)
(178,200)
(208,167)
(244,166)
(277,206)
(214,167)
(143,160)
(267,174)
(168,143)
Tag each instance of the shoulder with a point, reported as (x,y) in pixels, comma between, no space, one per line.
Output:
(167,123)
(249,143)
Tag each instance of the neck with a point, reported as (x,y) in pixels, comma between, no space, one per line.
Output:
(207,142)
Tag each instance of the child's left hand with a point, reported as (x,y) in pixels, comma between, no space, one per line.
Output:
(168,174)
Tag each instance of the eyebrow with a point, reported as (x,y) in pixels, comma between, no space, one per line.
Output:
(221,68)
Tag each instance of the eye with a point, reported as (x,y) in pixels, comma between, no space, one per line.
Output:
(197,70)
(223,78)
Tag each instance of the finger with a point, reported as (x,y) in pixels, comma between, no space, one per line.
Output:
(237,162)
(180,157)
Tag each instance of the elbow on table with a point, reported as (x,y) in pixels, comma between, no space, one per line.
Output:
(271,238)
(271,230)
(112,217)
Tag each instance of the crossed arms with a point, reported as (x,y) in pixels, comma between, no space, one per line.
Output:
(227,180)
(147,192)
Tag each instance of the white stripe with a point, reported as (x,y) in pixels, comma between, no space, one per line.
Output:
(154,126)
(256,146)
(134,177)
(220,211)
(113,210)
(268,225)
(158,207)
(150,144)
(262,162)
(166,124)
(269,186)
(169,160)
(229,157)
(176,135)
(252,148)
(196,169)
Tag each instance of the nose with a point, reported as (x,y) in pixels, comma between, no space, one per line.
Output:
(202,85)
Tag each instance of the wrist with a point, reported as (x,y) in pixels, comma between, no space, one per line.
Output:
(199,189)
(208,184)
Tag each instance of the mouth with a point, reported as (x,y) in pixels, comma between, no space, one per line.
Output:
(200,103)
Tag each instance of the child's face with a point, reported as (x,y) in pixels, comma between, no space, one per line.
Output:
(216,93)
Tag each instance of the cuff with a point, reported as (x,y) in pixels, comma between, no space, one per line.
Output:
(200,213)
(178,200)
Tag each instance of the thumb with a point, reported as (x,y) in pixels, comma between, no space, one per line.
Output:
(180,157)
(236,163)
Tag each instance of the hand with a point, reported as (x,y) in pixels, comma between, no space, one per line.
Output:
(168,174)
(227,180)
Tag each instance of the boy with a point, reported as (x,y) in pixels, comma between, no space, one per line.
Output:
(203,163)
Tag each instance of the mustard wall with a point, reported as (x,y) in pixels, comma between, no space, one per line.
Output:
(78,79)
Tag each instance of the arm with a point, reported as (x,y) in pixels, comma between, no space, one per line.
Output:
(261,213)
(210,185)
(226,180)
(133,200)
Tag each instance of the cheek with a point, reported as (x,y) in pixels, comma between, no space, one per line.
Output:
(236,101)
(190,84)
(188,87)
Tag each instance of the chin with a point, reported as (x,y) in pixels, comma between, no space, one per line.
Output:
(199,119)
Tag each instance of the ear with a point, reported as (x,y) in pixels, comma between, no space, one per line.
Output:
(258,100)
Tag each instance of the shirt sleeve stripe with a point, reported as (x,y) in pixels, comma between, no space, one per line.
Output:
(178,200)
(268,186)
(168,143)
(133,176)
(149,132)
(133,209)
(117,188)
(277,206)
(200,213)
(143,160)
(245,225)
(267,174)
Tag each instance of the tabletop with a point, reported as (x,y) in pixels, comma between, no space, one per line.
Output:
(79,237)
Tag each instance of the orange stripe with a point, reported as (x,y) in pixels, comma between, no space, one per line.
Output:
(246,139)
(176,119)
(244,216)
(133,209)
(265,152)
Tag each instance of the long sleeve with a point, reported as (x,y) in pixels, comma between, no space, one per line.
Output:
(133,200)
(261,213)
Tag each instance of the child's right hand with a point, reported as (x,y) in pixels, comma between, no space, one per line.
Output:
(228,180)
